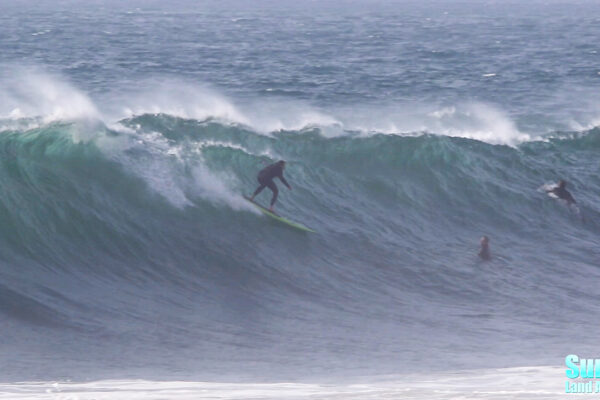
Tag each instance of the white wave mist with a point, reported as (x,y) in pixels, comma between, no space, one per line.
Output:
(192,100)
(32,93)
(172,97)
(28,92)
(478,121)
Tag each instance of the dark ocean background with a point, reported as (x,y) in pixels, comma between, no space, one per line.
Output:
(129,132)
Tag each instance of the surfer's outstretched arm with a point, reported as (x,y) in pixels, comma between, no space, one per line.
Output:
(284,181)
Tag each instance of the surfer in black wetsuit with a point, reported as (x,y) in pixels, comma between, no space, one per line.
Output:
(265,178)
(561,192)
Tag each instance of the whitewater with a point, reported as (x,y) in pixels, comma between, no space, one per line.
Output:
(132,267)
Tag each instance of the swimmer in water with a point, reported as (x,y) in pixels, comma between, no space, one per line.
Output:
(484,251)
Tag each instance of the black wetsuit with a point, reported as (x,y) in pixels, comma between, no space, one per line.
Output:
(265,178)
(484,252)
(564,194)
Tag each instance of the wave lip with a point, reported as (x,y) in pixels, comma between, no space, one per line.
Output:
(37,96)
(480,122)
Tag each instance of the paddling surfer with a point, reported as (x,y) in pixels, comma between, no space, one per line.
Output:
(561,192)
(265,179)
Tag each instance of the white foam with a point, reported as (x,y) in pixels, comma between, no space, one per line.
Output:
(213,187)
(528,383)
(146,154)
(162,165)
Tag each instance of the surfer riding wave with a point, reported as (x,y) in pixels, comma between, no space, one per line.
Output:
(265,179)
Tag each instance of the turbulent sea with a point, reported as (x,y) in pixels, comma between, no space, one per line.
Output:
(130,130)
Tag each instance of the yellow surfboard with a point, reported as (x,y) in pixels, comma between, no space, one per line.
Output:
(280,218)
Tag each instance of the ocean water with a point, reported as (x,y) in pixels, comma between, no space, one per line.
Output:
(129,131)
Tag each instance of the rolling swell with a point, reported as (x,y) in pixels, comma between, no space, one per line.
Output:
(138,235)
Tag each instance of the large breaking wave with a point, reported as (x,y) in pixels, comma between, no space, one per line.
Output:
(132,235)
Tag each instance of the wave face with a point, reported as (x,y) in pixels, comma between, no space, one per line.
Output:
(130,131)
(134,246)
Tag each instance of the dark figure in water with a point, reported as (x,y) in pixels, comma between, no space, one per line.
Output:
(561,192)
(484,252)
(265,178)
